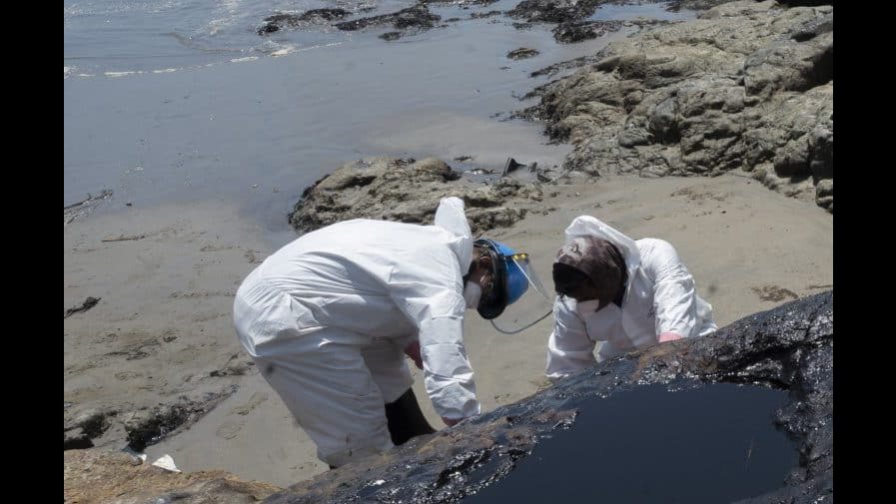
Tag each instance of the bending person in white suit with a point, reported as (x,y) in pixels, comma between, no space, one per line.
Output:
(329,317)
(624,293)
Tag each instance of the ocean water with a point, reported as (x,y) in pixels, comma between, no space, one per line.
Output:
(178,100)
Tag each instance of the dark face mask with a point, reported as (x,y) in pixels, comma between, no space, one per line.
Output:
(494,295)
(567,279)
(598,261)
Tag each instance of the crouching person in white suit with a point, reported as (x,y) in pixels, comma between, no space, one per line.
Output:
(623,293)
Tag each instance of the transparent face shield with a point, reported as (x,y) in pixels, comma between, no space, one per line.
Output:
(533,306)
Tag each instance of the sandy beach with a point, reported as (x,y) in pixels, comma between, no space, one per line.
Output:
(166,277)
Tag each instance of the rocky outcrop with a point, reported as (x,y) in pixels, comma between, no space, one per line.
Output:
(418,17)
(788,348)
(314,16)
(522,53)
(411,20)
(570,16)
(555,11)
(407,190)
(748,85)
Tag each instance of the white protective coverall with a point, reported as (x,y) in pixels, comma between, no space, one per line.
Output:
(660,297)
(326,319)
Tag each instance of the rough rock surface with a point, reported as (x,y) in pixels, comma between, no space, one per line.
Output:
(748,85)
(409,191)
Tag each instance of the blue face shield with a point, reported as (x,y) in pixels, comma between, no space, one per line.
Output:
(518,297)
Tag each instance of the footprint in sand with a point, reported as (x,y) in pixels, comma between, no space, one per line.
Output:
(231,427)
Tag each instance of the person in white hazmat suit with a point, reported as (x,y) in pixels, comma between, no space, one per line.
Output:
(623,293)
(329,317)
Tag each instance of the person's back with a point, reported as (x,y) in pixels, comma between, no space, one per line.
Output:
(350,274)
(329,318)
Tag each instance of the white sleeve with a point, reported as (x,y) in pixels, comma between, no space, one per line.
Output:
(674,294)
(569,347)
(447,374)
(430,296)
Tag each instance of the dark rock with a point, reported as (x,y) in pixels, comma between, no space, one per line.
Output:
(409,191)
(793,64)
(88,303)
(569,33)
(555,11)
(146,427)
(412,17)
(522,53)
(481,15)
(512,165)
(677,5)
(533,113)
(314,16)
(80,429)
(747,86)
(824,194)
